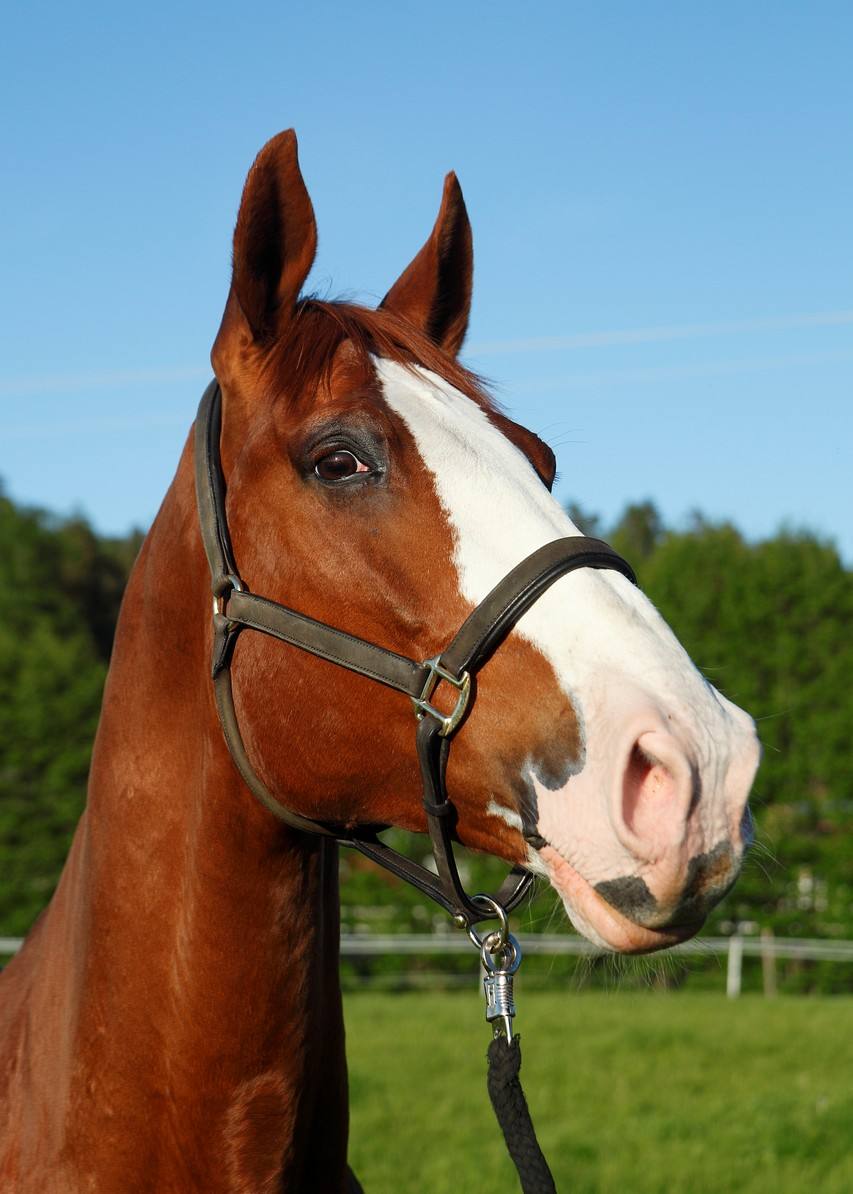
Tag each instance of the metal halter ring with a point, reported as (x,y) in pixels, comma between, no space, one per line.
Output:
(225,585)
(496,940)
(435,674)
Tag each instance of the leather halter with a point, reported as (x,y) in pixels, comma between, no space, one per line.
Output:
(235,608)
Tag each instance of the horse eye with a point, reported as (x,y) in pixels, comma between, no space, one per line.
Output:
(337,466)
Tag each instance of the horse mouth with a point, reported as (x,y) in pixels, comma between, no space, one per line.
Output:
(599,921)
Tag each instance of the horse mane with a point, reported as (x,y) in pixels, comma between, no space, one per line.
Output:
(305,353)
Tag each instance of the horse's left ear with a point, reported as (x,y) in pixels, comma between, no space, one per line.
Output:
(434,292)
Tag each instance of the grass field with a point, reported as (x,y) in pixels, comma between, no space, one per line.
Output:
(630,1093)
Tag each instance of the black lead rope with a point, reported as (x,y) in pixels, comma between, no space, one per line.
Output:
(500,955)
(513,1116)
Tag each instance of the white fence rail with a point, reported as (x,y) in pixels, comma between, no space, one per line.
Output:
(767,947)
(354,945)
(735,948)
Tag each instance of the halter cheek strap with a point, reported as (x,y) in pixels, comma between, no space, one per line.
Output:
(236,609)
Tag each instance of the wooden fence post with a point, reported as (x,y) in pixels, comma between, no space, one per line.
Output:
(734,966)
(768,962)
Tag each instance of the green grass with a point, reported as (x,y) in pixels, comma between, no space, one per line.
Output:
(630,1093)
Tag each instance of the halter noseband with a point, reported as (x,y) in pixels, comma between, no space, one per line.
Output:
(235,608)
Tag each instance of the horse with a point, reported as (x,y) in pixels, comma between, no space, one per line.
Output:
(173,1021)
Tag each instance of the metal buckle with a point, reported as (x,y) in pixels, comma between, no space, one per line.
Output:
(226,584)
(462,684)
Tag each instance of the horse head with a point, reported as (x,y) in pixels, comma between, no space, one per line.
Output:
(374,485)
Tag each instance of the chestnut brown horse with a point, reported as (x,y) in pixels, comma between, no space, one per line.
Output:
(173,1022)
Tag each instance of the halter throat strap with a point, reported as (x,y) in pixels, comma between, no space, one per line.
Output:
(236,609)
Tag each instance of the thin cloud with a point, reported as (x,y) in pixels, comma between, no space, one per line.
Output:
(658,335)
(607,377)
(54,383)
(50,428)
(65,382)
(554,433)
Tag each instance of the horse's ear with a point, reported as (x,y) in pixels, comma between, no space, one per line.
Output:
(434,292)
(274,242)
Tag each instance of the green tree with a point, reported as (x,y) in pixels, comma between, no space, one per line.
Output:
(60,589)
(768,623)
(638,532)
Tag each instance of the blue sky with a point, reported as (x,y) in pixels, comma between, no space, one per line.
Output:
(661,197)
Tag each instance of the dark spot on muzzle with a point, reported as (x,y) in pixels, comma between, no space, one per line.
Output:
(554,776)
(630,896)
(709,877)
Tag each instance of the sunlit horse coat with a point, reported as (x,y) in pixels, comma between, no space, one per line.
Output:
(173,1022)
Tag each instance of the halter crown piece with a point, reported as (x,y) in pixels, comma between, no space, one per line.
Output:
(235,608)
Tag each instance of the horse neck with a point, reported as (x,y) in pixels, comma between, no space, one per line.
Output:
(205,936)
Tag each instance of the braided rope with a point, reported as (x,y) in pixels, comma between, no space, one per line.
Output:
(513,1116)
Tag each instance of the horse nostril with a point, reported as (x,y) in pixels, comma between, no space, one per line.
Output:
(653,801)
(648,788)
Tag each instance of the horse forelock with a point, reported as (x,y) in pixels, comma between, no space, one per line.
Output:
(304,356)
(302,363)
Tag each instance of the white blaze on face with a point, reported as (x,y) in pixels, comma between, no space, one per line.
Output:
(610,650)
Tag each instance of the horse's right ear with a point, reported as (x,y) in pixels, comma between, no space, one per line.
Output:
(274,245)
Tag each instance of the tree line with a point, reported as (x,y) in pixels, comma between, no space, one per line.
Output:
(768,622)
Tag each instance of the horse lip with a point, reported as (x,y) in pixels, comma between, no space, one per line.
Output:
(689,928)
(603,924)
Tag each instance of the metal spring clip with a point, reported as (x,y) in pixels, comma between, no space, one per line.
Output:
(500,967)
(500,954)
